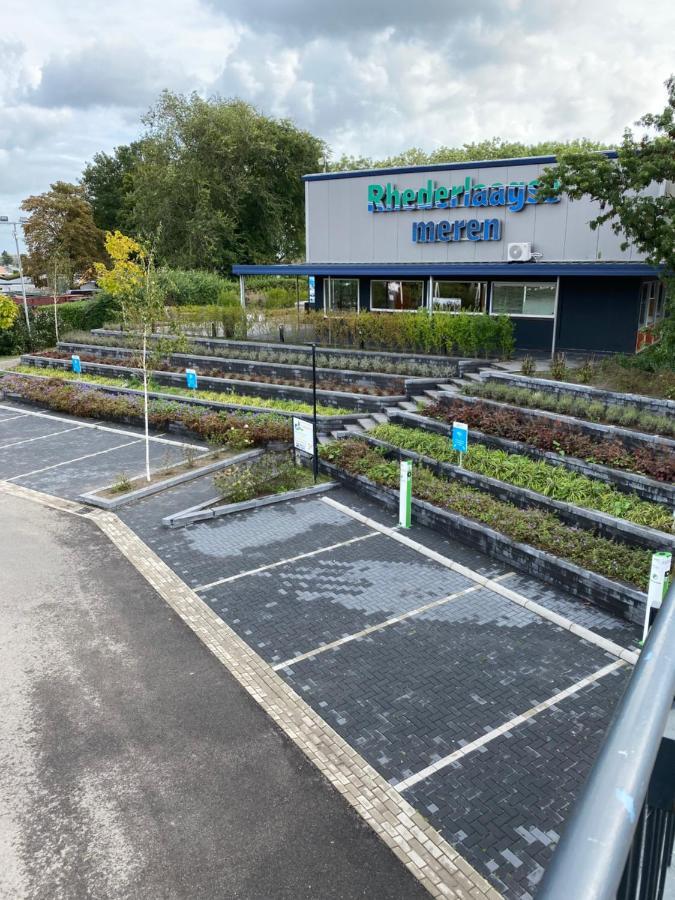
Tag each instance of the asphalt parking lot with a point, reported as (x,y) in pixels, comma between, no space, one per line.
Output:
(484,714)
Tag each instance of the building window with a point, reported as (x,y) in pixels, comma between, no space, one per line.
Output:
(396,296)
(527,298)
(342,295)
(459,296)
(652,303)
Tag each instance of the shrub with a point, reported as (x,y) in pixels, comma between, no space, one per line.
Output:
(529,526)
(556,437)
(528,366)
(272,473)
(535,475)
(197,288)
(559,367)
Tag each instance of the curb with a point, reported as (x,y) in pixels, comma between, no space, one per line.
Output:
(92,498)
(194,514)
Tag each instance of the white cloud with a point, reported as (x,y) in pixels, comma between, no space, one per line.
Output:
(371,78)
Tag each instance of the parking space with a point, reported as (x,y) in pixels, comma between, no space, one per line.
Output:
(66,456)
(483,714)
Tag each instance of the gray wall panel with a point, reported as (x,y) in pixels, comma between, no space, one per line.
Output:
(342,230)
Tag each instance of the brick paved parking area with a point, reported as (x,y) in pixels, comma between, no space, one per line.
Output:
(424,656)
(420,668)
(66,456)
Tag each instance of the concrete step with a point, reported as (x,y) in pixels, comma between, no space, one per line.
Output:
(325,439)
(448,388)
(380,418)
(408,406)
(433,395)
(367,424)
(355,429)
(419,398)
(471,376)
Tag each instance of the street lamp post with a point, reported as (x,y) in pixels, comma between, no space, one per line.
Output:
(5,220)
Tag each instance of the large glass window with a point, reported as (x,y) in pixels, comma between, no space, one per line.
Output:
(527,298)
(459,296)
(396,296)
(342,295)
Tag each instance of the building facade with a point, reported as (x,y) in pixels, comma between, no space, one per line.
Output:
(476,238)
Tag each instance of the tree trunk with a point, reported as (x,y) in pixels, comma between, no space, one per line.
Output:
(145,402)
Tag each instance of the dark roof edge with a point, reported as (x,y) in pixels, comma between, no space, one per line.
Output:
(443,167)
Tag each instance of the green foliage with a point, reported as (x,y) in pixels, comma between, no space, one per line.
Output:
(528,366)
(647,220)
(529,526)
(559,367)
(223,180)
(624,415)
(197,288)
(551,481)
(80,314)
(9,312)
(423,332)
(108,183)
(217,321)
(217,396)
(61,226)
(272,473)
(494,148)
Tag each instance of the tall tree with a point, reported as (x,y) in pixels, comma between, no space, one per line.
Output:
(494,148)
(222,181)
(645,217)
(6,258)
(108,183)
(61,226)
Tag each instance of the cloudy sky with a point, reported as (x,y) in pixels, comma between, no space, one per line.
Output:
(371,77)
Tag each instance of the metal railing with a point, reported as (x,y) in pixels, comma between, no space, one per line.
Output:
(618,842)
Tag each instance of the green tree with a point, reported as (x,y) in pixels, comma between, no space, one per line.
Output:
(494,148)
(645,218)
(6,258)
(222,181)
(108,183)
(60,225)
(132,280)
(8,312)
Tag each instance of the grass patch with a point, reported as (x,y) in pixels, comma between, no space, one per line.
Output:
(551,481)
(217,396)
(529,526)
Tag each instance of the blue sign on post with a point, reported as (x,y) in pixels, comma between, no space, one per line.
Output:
(191,379)
(77,365)
(460,437)
(311,289)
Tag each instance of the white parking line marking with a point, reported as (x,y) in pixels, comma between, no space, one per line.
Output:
(11,418)
(387,622)
(586,634)
(40,437)
(120,431)
(77,459)
(283,562)
(506,727)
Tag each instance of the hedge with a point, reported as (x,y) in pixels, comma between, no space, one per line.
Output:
(81,315)
(422,332)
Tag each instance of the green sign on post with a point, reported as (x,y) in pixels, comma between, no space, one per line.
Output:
(405,495)
(658,585)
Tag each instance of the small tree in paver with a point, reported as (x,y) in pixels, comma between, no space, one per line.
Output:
(132,280)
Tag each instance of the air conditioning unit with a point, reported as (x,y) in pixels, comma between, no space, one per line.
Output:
(521,252)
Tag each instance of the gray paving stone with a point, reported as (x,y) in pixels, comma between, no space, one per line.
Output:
(420,689)
(300,606)
(510,803)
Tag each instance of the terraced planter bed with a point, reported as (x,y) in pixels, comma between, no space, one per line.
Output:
(626,417)
(577,516)
(217,367)
(42,389)
(550,434)
(586,564)
(413,364)
(269,396)
(655,405)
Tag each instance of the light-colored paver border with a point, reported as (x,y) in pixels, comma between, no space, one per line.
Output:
(426,854)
